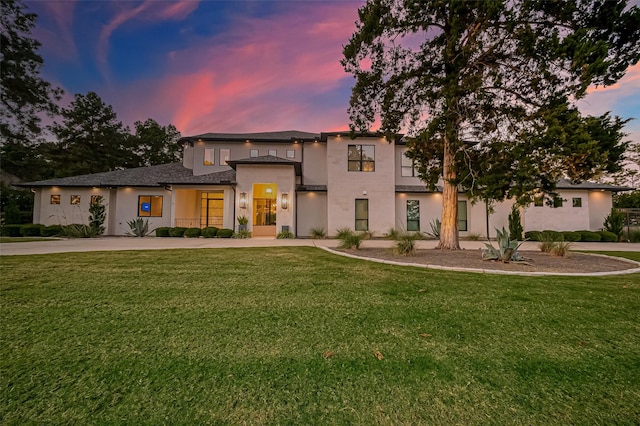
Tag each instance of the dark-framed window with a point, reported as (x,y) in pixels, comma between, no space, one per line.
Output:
(407,167)
(75,200)
(209,156)
(557,202)
(253,153)
(150,205)
(55,199)
(291,153)
(413,215)
(577,202)
(462,216)
(362,158)
(362,214)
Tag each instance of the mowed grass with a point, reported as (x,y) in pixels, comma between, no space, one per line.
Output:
(301,336)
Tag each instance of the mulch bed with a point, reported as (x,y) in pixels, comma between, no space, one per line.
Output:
(542,262)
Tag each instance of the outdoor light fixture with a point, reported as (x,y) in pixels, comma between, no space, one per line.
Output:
(243,200)
(285,200)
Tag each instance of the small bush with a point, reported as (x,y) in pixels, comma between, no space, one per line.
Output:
(571,236)
(532,235)
(614,223)
(318,233)
(515,223)
(177,232)
(192,233)
(209,232)
(392,234)
(138,227)
(367,235)
(285,234)
(589,236)
(163,231)
(224,233)
(242,233)
(343,232)
(10,230)
(406,243)
(605,236)
(78,230)
(351,241)
(474,236)
(31,230)
(51,231)
(561,248)
(549,235)
(633,236)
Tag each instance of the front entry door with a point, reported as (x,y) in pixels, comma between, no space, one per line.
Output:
(211,209)
(264,217)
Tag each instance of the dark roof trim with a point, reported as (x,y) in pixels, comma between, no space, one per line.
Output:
(267,160)
(311,188)
(416,189)
(348,134)
(289,136)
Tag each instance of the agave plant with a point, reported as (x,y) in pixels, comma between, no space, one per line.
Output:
(435,230)
(507,250)
(139,227)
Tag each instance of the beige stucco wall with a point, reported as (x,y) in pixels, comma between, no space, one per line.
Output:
(238,151)
(568,218)
(283,176)
(600,204)
(127,208)
(314,167)
(344,187)
(65,213)
(312,212)
(430,209)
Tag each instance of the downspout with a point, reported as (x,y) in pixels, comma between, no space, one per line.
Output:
(486,209)
(234,208)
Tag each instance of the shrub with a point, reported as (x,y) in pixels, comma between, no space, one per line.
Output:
(177,231)
(532,235)
(285,234)
(343,232)
(605,236)
(392,234)
(548,235)
(78,230)
(12,213)
(138,227)
(435,226)
(242,233)
(31,230)
(192,233)
(614,223)
(163,231)
(367,235)
(224,233)
(589,236)
(350,241)
(633,236)
(406,243)
(507,250)
(51,231)
(474,236)
(515,223)
(318,233)
(561,248)
(10,230)
(97,215)
(209,232)
(571,236)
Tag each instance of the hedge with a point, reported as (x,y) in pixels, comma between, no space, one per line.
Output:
(532,235)
(224,233)
(177,232)
(192,233)
(163,231)
(608,237)
(31,230)
(589,236)
(209,232)
(10,230)
(571,236)
(51,230)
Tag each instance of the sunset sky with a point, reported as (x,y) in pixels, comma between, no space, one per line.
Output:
(226,66)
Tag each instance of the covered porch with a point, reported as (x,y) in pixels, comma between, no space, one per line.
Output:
(204,206)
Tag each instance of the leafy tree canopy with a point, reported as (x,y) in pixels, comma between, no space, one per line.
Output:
(486,90)
(156,144)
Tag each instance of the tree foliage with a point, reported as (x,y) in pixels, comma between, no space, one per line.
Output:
(156,144)
(486,89)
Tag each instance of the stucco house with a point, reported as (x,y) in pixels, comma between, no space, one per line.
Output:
(294,181)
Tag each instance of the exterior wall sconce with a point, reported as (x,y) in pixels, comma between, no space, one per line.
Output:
(285,201)
(243,200)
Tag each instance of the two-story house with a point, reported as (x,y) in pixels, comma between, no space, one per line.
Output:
(295,181)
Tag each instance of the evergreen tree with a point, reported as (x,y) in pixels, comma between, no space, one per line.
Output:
(486,90)
(90,139)
(156,144)
(25,95)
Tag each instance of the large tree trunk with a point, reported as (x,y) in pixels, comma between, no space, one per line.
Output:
(449,226)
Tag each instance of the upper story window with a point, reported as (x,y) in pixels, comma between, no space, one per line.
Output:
(291,153)
(273,152)
(209,156)
(224,156)
(362,158)
(408,167)
(253,153)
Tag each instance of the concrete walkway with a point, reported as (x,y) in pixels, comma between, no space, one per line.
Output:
(155,243)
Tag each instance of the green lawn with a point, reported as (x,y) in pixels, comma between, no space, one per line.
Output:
(290,335)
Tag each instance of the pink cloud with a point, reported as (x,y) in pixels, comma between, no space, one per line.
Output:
(59,40)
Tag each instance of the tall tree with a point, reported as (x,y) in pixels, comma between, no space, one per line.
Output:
(486,89)
(156,144)
(25,95)
(90,139)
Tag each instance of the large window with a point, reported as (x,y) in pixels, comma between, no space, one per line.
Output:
(150,205)
(362,215)
(413,215)
(408,168)
(209,156)
(462,216)
(362,158)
